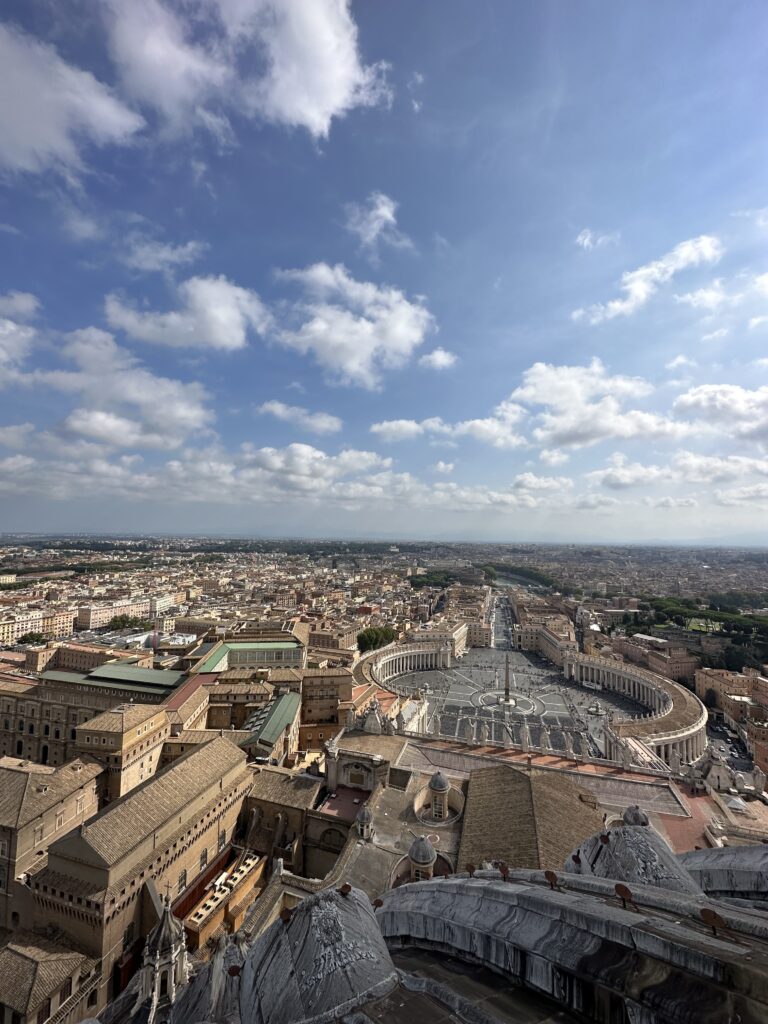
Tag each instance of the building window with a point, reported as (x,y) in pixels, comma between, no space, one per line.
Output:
(128,937)
(80,804)
(44,1012)
(60,820)
(47,730)
(21,725)
(203,859)
(2,880)
(38,834)
(222,839)
(56,734)
(182,881)
(3,847)
(66,991)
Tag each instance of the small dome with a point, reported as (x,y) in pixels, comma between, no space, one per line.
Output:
(439,784)
(635,815)
(422,851)
(364,816)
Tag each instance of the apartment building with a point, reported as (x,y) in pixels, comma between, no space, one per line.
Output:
(76,657)
(91,616)
(51,623)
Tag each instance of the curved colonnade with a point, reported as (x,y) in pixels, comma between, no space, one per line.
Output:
(677,725)
(675,729)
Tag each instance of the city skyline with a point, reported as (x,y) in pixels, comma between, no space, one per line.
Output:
(343,270)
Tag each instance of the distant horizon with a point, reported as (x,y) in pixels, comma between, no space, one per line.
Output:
(372,539)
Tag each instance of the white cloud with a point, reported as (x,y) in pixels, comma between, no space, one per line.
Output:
(670,502)
(581,406)
(163,412)
(397,430)
(50,110)
(589,239)
(709,299)
(639,285)
(679,361)
(498,430)
(78,224)
(553,456)
(15,342)
(443,467)
(738,411)
(743,495)
(314,422)
(438,359)
(149,255)
(621,473)
(214,314)
(16,435)
(532,482)
(21,305)
(757,321)
(595,501)
(375,223)
(9,229)
(718,335)
(761,283)
(355,329)
(192,71)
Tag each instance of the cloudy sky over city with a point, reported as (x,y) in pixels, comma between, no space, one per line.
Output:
(429,269)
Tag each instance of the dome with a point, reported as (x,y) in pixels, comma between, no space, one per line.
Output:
(166,933)
(439,784)
(422,851)
(364,816)
(635,815)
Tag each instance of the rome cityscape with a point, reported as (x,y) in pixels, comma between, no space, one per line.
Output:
(383,548)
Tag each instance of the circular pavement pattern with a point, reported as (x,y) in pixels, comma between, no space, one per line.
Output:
(466,701)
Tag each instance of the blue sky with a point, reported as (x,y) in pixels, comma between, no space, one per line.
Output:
(491,270)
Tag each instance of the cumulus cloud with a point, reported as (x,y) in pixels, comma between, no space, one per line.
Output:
(213,314)
(15,343)
(198,71)
(589,239)
(355,330)
(532,482)
(438,359)
(50,111)
(750,495)
(582,405)
(670,502)
(498,430)
(708,299)
(595,502)
(16,435)
(19,305)
(374,222)
(314,422)
(553,456)
(738,411)
(149,255)
(639,285)
(621,473)
(443,467)
(122,403)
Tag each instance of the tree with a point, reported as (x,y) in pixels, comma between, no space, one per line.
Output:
(31,638)
(128,622)
(373,637)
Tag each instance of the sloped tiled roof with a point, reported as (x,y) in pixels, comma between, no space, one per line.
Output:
(128,821)
(527,819)
(26,793)
(33,968)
